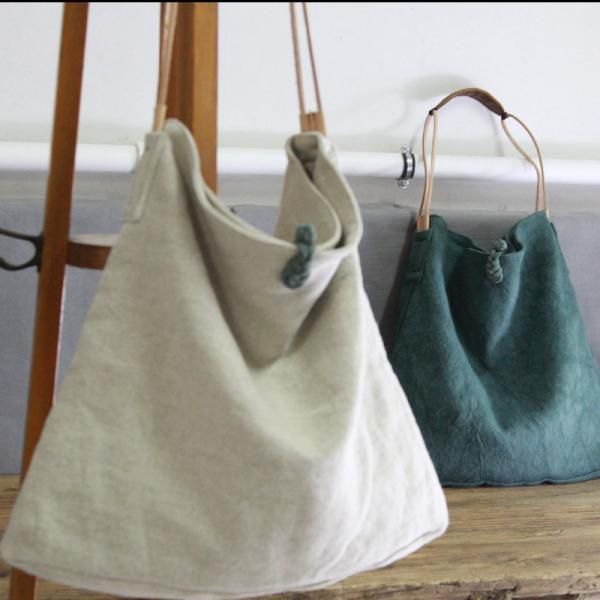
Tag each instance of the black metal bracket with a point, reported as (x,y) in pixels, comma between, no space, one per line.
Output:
(34,261)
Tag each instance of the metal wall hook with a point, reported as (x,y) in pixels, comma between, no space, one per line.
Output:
(34,261)
(408,169)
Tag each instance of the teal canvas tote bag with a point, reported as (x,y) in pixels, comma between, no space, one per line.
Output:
(491,350)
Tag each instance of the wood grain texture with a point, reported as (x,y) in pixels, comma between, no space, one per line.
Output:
(57,221)
(90,251)
(193,83)
(503,544)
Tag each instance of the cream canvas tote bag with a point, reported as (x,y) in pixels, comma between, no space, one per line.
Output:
(230,425)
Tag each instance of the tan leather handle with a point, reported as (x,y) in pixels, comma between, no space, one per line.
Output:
(485,98)
(169,20)
(478,94)
(309,121)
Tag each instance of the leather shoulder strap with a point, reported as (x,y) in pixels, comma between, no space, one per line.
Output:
(478,94)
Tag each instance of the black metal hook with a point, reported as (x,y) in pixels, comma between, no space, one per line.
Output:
(36,259)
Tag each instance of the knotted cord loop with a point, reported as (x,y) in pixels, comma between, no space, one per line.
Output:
(297,269)
(493,268)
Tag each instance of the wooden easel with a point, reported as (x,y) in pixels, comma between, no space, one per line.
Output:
(192,98)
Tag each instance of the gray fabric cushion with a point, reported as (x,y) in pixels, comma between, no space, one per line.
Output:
(384,245)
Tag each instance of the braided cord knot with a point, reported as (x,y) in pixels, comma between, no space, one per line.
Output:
(493,268)
(297,269)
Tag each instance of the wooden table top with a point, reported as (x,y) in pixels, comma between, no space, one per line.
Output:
(530,542)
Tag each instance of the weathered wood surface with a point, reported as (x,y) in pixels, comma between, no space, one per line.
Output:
(537,542)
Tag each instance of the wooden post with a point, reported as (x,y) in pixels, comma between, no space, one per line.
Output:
(192,99)
(193,87)
(57,220)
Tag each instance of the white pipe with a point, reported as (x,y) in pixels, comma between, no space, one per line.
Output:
(105,158)
(91,158)
(247,161)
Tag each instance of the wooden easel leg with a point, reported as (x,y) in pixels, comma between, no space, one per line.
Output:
(194,80)
(57,220)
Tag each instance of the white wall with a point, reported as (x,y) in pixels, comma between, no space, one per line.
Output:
(382,65)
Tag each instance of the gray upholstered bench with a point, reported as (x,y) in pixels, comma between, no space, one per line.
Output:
(385,242)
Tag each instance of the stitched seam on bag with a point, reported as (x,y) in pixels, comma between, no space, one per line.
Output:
(299,586)
(578,478)
(136,203)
